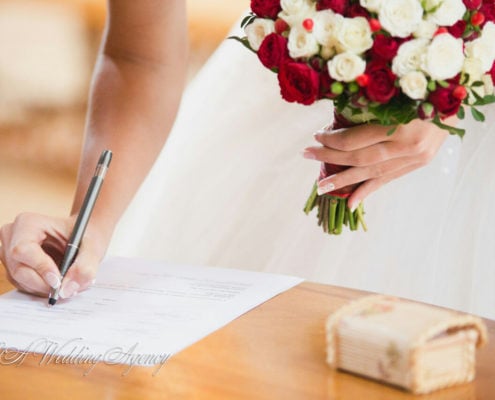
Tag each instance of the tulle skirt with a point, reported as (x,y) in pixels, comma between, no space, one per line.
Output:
(229,187)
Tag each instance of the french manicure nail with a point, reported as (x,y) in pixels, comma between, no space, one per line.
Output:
(325,188)
(69,289)
(52,279)
(309,155)
(324,129)
(353,206)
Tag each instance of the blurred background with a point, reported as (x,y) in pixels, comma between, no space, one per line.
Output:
(47,50)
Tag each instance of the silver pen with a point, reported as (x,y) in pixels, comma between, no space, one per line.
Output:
(82,220)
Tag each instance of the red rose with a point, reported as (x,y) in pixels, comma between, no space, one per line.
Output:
(488,9)
(298,83)
(338,6)
(492,72)
(273,51)
(458,28)
(384,47)
(444,102)
(472,4)
(355,10)
(381,86)
(266,8)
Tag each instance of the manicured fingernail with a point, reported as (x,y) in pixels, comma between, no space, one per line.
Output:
(69,289)
(93,281)
(309,155)
(324,129)
(326,185)
(329,187)
(52,279)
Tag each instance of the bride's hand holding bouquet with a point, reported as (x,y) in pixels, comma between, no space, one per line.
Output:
(373,158)
(389,64)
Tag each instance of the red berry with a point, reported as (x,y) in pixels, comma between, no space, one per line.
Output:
(363,80)
(477,18)
(375,25)
(459,92)
(308,24)
(281,26)
(441,30)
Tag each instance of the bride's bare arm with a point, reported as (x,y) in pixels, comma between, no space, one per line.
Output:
(135,92)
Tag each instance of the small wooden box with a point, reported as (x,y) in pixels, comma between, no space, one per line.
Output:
(415,346)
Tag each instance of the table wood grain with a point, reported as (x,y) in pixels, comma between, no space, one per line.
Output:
(276,351)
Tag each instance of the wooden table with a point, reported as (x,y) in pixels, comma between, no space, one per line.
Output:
(276,351)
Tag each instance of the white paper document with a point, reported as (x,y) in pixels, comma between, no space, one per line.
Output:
(138,312)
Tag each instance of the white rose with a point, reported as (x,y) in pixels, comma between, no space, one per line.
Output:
(414,84)
(371,5)
(480,49)
(326,25)
(444,58)
(488,32)
(409,57)
(295,11)
(400,17)
(354,35)
(488,84)
(448,13)
(473,68)
(346,67)
(258,30)
(425,30)
(302,43)
(294,7)
(483,48)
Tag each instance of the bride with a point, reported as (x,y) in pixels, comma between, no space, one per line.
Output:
(229,186)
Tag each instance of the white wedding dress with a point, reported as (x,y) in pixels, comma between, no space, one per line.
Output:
(230,184)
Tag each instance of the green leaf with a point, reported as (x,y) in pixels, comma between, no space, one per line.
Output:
(477,115)
(244,42)
(461,113)
(451,129)
(477,83)
(476,95)
(247,20)
(484,100)
(443,84)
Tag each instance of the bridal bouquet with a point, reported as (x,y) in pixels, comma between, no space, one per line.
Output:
(379,61)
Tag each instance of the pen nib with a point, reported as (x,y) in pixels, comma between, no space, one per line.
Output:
(51,302)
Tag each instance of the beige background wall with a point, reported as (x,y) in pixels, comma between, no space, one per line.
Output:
(47,48)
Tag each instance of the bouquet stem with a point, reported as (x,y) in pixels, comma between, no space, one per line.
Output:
(334,213)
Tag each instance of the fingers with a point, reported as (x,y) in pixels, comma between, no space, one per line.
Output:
(22,249)
(31,253)
(354,138)
(373,157)
(81,274)
(359,158)
(368,187)
(32,246)
(28,267)
(28,281)
(355,175)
